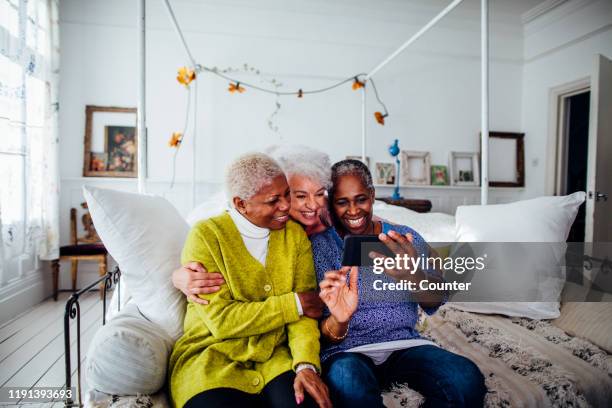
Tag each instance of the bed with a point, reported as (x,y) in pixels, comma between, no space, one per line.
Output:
(526,362)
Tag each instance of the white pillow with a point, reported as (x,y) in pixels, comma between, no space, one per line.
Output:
(145,235)
(128,356)
(433,227)
(543,220)
(215,205)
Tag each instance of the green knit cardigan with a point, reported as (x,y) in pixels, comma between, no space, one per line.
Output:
(251,331)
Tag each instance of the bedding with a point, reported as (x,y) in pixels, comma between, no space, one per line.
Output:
(526,363)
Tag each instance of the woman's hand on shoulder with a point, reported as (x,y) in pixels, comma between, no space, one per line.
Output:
(310,381)
(341,297)
(193,279)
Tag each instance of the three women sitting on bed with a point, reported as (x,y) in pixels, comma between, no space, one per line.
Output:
(369,338)
(250,345)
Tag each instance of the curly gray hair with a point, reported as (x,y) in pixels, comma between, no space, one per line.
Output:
(354,168)
(247,174)
(303,160)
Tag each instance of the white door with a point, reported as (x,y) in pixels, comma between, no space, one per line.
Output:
(599,165)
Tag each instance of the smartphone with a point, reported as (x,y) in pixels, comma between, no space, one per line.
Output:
(357,249)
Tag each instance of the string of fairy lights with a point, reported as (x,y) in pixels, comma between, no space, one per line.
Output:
(187,75)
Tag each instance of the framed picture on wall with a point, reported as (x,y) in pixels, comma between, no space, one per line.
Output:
(385,173)
(439,175)
(415,168)
(464,169)
(111,144)
(506,159)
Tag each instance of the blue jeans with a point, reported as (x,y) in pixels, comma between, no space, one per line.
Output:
(445,379)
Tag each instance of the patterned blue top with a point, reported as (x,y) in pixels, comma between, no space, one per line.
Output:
(382,315)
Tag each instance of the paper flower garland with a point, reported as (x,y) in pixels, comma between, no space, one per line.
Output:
(185,76)
(175,140)
(357,84)
(380,118)
(235,88)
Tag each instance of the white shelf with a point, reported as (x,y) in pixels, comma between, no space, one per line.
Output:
(426,187)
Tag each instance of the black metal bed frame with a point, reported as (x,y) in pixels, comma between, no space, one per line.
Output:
(73,311)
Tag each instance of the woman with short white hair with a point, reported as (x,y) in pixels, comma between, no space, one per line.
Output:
(254,343)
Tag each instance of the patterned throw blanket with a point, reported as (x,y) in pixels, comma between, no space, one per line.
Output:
(537,361)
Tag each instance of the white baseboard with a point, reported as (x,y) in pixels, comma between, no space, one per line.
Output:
(17,297)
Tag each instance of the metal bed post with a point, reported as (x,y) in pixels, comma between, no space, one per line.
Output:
(142,114)
(73,311)
(484,78)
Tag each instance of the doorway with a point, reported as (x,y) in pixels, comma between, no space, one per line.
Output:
(572,152)
(577,129)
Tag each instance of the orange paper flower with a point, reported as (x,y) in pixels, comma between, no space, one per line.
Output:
(176,139)
(357,84)
(235,88)
(185,76)
(380,118)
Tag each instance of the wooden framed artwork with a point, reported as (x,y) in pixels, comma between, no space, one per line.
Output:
(464,169)
(111,144)
(415,168)
(385,173)
(506,159)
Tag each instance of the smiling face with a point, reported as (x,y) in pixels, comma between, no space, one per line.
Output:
(307,200)
(269,207)
(352,205)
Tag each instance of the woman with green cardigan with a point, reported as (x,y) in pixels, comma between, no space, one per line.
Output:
(253,344)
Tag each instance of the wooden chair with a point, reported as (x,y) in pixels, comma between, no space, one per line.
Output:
(86,248)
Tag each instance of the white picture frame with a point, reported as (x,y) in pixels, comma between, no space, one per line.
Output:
(385,174)
(464,168)
(415,168)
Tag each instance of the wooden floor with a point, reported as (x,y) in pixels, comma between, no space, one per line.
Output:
(32,344)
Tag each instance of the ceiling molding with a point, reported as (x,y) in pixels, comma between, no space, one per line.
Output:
(540,9)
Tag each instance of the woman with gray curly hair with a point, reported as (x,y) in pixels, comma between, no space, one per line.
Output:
(254,343)
(308,173)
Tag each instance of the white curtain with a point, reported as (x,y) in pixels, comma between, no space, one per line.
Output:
(29,176)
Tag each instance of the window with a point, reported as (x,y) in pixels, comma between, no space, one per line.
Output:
(28,133)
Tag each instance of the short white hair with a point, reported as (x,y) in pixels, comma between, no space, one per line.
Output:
(247,174)
(303,161)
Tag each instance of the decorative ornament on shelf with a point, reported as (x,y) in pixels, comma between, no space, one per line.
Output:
(380,117)
(185,76)
(235,88)
(394,151)
(176,139)
(300,93)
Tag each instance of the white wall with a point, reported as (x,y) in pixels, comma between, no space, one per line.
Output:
(559,49)
(432,90)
